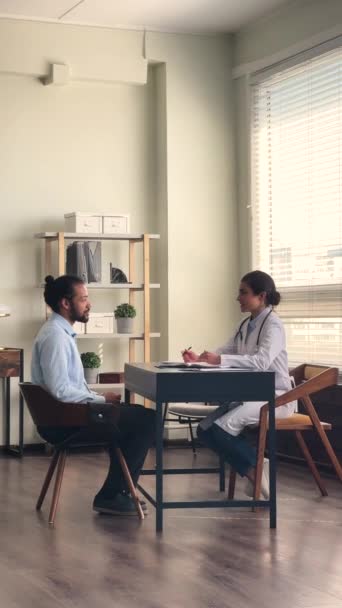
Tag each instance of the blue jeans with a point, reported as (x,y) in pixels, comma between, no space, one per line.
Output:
(234,450)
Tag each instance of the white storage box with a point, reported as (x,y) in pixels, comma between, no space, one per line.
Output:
(100,323)
(79,328)
(115,224)
(83,223)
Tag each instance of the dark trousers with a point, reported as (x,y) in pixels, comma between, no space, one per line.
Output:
(134,434)
(235,450)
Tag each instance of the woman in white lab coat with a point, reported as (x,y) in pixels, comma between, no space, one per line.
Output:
(258,343)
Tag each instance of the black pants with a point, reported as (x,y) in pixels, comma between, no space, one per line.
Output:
(134,435)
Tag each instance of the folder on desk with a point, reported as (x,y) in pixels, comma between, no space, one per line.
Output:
(190,365)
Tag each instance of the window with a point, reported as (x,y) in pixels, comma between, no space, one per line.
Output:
(297,198)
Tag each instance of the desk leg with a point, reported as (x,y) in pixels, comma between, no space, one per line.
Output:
(7,385)
(159,466)
(222,474)
(21,407)
(272,455)
(21,425)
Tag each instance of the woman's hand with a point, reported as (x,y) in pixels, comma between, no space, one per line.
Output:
(212,358)
(189,356)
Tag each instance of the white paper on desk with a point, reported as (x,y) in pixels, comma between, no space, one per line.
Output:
(183,366)
(225,369)
(189,364)
(171,362)
(201,365)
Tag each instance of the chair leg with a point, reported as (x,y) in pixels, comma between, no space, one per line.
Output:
(330,451)
(57,488)
(47,479)
(222,474)
(129,482)
(192,438)
(323,436)
(232,481)
(311,463)
(166,409)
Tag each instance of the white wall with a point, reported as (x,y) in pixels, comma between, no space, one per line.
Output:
(201,210)
(161,152)
(292,28)
(61,149)
(93,54)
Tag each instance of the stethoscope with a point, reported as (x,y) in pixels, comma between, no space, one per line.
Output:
(239,331)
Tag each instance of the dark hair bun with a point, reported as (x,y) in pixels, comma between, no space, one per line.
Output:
(59,288)
(260,281)
(274,298)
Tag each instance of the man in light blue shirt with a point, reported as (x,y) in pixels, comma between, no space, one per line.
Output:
(56,363)
(57,367)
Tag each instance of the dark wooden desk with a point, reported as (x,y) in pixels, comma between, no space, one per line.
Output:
(12,366)
(174,385)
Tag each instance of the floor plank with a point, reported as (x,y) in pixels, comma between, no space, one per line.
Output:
(206,558)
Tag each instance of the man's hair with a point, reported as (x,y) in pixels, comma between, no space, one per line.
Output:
(57,289)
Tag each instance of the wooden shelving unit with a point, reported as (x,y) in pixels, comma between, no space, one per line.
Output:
(60,238)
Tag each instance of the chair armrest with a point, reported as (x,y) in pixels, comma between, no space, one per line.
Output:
(103,413)
(64,415)
(79,414)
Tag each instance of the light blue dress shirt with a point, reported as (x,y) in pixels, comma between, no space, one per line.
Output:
(56,363)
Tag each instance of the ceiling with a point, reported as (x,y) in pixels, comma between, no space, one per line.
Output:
(184,16)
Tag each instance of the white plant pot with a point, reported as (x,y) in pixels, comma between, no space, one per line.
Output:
(90,374)
(124,325)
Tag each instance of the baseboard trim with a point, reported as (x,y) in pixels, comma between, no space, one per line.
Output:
(30,448)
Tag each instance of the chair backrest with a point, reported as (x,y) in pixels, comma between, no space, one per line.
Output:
(306,371)
(320,377)
(46,411)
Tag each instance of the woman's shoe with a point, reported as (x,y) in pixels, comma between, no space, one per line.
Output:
(265,482)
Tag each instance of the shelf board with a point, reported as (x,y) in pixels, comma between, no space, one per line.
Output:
(136,336)
(105,387)
(95,236)
(134,286)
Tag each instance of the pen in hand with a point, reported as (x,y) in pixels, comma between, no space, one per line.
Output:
(186,350)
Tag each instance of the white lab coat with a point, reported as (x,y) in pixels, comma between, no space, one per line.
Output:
(265,350)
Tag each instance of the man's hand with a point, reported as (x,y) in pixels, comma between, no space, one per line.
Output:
(212,358)
(189,356)
(111,397)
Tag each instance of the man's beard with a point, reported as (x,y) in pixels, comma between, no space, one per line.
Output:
(76,316)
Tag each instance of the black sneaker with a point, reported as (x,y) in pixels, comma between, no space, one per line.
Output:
(122,504)
(141,500)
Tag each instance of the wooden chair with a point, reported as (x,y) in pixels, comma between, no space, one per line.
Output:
(189,414)
(49,412)
(309,379)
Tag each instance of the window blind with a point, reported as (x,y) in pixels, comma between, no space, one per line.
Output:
(296,156)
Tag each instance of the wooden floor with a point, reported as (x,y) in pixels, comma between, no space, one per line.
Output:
(205,558)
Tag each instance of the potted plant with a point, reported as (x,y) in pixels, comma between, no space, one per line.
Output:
(91,363)
(124,314)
